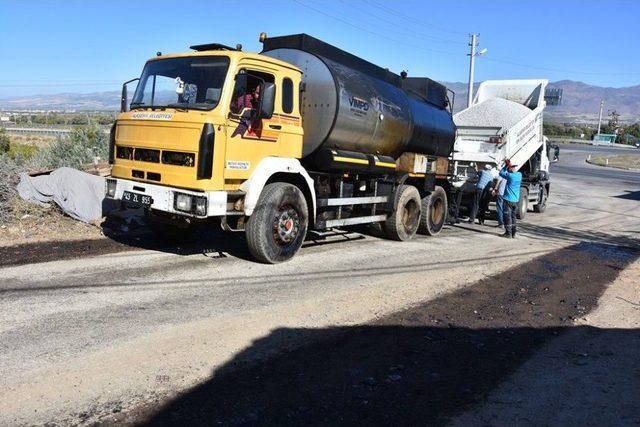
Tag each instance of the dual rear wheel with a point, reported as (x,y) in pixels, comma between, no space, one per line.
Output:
(413,214)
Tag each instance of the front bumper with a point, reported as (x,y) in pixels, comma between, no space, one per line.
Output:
(164,197)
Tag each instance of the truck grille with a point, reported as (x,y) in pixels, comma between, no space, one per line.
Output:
(125,153)
(146,155)
(176,158)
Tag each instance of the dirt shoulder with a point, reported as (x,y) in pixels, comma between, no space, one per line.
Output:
(46,226)
(629,162)
(422,365)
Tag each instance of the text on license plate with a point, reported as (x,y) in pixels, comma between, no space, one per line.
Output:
(141,199)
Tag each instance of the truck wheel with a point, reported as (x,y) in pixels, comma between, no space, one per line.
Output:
(523,203)
(434,212)
(276,229)
(541,206)
(403,223)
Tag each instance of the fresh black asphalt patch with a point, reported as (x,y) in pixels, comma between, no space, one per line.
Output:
(418,366)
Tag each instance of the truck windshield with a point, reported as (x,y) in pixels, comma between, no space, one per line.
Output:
(191,83)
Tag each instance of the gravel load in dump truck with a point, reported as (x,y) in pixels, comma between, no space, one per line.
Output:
(494,112)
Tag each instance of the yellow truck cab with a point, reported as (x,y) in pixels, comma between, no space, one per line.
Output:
(217,133)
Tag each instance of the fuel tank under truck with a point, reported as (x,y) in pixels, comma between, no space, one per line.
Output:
(350,104)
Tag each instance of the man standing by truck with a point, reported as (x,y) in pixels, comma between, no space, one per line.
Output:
(480,199)
(498,193)
(511,197)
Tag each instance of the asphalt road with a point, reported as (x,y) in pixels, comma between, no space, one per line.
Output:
(575,164)
(103,332)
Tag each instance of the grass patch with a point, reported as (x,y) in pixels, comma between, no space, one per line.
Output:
(22,150)
(622,162)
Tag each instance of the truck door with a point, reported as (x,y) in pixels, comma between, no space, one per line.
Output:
(249,138)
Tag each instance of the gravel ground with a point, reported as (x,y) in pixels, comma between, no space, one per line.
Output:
(111,331)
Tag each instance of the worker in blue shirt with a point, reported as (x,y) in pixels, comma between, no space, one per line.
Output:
(511,197)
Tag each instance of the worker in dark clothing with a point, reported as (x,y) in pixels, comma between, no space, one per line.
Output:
(481,194)
(498,193)
(511,197)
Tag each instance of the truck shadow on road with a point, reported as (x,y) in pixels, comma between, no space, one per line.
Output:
(566,234)
(630,195)
(433,361)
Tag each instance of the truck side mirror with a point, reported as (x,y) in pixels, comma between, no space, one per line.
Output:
(267,100)
(553,152)
(124,105)
(124,97)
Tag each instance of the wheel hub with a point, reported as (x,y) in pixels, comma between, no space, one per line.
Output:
(286,225)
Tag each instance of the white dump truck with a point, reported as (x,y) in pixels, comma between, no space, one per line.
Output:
(505,122)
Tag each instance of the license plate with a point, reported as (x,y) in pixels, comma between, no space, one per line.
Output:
(137,199)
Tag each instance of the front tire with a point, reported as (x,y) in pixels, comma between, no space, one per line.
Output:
(541,206)
(276,229)
(403,223)
(434,212)
(523,204)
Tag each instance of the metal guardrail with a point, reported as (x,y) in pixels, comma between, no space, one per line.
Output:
(38,131)
(43,131)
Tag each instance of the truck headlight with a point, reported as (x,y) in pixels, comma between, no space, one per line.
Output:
(182,202)
(111,188)
(200,206)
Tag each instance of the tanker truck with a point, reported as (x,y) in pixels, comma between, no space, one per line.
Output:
(301,137)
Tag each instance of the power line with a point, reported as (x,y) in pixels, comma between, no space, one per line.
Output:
(59,80)
(412,33)
(413,19)
(58,84)
(558,70)
(369,31)
(504,61)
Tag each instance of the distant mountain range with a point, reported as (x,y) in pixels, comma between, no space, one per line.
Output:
(64,101)
(580,102)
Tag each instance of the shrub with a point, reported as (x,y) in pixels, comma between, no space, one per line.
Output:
(22,150)
(5,141)
(78,148)
(73,150)
(9,173)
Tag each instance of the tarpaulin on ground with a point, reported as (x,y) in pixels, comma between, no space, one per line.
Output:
(79,194)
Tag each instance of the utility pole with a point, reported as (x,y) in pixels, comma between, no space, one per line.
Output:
(472,59)
(600,116)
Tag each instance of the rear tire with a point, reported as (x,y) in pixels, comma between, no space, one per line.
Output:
(541,206)
(523,204)
(404,221)
(276,229)
(434,212)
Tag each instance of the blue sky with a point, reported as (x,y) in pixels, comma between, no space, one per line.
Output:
(93,46)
